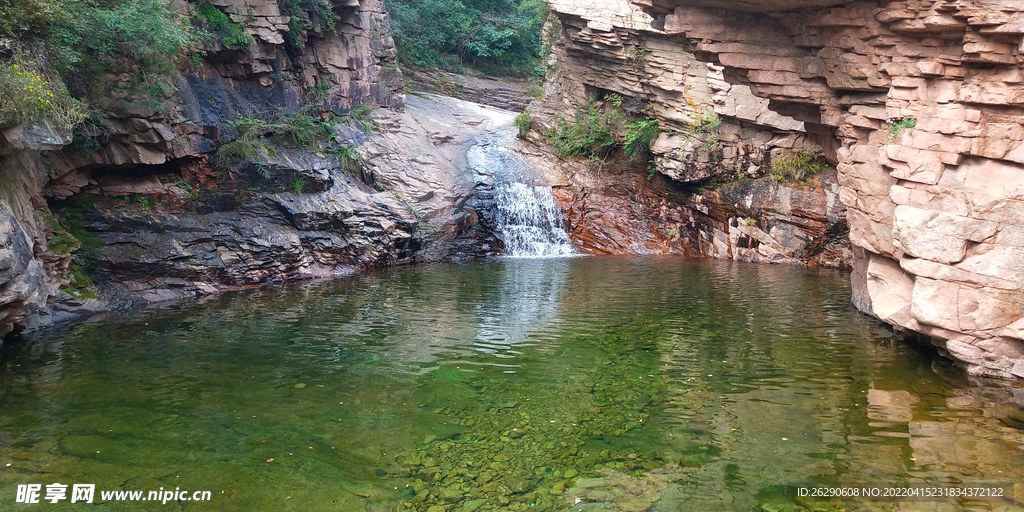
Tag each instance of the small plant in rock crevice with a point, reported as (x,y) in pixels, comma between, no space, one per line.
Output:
(589,135)
(635,55)
(523,122)
(799,166)
(899,125)
(193,192)
(639,137)
(704,125)
(349,159)
(249,144)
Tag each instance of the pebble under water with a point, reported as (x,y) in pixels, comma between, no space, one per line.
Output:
(590,384)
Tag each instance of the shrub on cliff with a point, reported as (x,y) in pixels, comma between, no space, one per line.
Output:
(798,166)
(589,135)
(25,93)
(523,122)
(501,36)
(83,39)
(639,137)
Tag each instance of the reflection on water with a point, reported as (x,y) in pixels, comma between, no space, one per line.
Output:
(582,384)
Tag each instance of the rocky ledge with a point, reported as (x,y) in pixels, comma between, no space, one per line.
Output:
(916,107)
(707,187)
(921,103)
(139,205)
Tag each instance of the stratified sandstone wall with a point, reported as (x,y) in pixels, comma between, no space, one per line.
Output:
(158,218)
(936,212)
(719,199)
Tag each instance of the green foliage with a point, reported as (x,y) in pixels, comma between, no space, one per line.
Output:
(361,114)
(703,130)
(711,143)
(214,16)
(80,285)
(485,34)
(25,93)
(523,121)
(320,13)
(350,159)
(249,145)
(805,163)
(704,125)
(145,202)
(232,35)
(102,36)
(639,137)
(304,130)
(80,40)
(193,192)
(899,124)
(25,19)
(635,55)
(589,135)
(299,185)
(237,37)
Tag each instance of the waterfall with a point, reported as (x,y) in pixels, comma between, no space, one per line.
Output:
(525,216)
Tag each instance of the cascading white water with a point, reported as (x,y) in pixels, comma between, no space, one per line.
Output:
(526,217)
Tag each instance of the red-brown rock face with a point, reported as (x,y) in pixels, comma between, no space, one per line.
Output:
(706,189)
(923,103)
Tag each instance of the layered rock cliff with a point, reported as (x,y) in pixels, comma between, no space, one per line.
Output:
(137,206)
(918,103)
(706,188)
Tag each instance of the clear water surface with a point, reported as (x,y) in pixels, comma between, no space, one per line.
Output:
(591,384)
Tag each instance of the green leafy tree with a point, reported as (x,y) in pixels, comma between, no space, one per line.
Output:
(491,35)
(82,39)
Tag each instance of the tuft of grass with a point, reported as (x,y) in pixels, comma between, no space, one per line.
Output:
(193,192)
(523,122)
(711,144)
(249,145)
(214,16)
(237,37)
(589,135)
(639,137)
(361,115)
(899,125)
(304,130)
(349,159)
(299,185)
(703,125)
(798,166)
(360,112)
(635,55)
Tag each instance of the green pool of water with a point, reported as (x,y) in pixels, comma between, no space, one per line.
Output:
(593,384)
